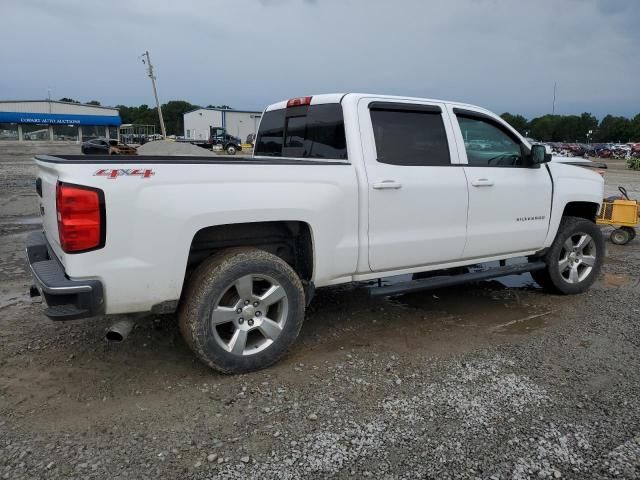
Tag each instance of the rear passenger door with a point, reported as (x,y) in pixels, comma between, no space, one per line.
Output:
(417,196)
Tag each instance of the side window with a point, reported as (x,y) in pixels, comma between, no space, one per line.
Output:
(410,137)
(489,145)
(316,131)
(270,133)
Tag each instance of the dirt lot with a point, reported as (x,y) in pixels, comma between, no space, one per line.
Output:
(494,380)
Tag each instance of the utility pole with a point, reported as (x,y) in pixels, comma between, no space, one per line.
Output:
(155,91)
(553,109)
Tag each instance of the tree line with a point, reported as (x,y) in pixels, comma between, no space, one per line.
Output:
(576,128)
(547,128)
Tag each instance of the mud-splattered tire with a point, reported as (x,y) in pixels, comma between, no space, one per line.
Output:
(242,310)
(574,259)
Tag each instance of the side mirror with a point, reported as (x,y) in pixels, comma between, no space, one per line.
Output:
(539,155)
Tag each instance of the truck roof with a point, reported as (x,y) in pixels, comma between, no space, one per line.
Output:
(338,97)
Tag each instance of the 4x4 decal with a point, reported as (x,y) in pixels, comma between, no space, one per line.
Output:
(113,173)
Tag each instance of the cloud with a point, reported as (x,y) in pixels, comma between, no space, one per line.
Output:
(501,54)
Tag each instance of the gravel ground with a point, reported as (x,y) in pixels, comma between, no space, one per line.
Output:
(509,384)
(168,147)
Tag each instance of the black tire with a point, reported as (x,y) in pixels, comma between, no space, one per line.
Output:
(231,150)
(632,232)
(557,281)
(620,236)
(543,279)
(211,282)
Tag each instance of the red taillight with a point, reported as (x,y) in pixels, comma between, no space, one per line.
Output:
(80,217)
(295,102)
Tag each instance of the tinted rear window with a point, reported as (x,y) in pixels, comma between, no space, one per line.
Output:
(315,131)
(414,138)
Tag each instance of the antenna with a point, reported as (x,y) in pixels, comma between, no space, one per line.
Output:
(155,91)
(553,109)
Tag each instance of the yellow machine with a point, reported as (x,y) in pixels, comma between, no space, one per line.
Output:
(622,214)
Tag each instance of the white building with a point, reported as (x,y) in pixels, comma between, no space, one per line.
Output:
(50,120)
(239,123)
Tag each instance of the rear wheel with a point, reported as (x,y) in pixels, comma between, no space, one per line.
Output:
(231,150)
(242,310)
(574,259)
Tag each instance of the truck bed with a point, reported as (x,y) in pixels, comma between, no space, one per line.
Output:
(174,159)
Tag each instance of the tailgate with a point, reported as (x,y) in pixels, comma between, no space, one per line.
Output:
(46,180)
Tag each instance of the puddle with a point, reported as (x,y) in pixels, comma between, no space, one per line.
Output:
(524,325)
(486,304)
(618,280)
(524,280)
(490,305)
(441,322)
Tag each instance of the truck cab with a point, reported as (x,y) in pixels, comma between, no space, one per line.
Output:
(218,137)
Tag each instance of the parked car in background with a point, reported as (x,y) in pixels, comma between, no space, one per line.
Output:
(105,146)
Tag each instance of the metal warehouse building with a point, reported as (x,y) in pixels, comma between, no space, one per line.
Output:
(239,123)
(50,120)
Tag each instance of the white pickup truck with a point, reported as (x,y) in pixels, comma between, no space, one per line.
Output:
(341,188)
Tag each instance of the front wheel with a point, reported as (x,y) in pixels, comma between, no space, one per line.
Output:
(242,310)
(231,150)
(574,259)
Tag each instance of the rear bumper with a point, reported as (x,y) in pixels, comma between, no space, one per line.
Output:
(66,299)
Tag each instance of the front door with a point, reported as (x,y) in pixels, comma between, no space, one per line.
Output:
(509,203)
(417,196)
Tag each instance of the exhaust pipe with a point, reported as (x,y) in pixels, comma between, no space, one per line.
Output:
(119,331)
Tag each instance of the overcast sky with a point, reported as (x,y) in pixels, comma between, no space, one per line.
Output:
(501,54)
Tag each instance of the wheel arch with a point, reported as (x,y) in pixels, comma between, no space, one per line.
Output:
(290,240)
(587,209)
(581,209)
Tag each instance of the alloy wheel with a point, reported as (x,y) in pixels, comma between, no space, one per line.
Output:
(250,315)
(577,258)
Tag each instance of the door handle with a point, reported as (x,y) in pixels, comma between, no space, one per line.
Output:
(387,185)
(482,182)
